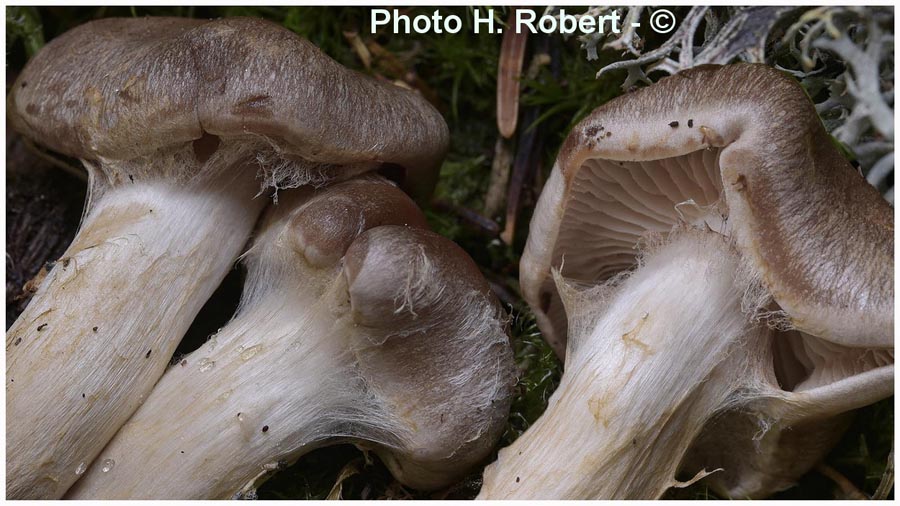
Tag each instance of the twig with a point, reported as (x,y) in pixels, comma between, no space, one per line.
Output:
(528,155)
(480,223)
(502,292)
(359,47)
(848,489)
(495,198)
(509,75)
(524,167)
(887,478)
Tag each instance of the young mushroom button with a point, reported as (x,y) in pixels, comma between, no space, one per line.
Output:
(176,121)
(356,324)
(760,305)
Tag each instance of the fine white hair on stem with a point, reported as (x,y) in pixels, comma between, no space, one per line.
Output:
(158,235)
(388,346)
(621,403)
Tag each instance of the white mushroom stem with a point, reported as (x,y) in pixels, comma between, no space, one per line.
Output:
(234,410)
(104,323)
(649,362)
(394,346)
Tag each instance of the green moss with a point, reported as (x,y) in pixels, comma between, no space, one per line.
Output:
(539,374)
(23,24)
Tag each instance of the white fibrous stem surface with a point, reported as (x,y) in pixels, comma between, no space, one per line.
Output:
(316,355)
(651,358)
(233,410)
(104,323)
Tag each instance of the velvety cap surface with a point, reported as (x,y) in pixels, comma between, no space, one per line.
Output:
(121,88)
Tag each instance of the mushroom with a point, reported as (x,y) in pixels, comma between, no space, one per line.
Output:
(762,300)
(174,119)
(356,324)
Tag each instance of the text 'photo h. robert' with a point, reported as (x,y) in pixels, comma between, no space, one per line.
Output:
(562,22)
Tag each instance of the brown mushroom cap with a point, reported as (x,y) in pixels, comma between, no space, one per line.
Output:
(742,138)
(434,350)
(122,88)
(324,231)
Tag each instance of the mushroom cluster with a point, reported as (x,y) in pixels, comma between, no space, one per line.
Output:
(176,120)
(716,276)
(720,282)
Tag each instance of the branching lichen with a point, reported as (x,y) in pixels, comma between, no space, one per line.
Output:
(740,34)
(859,108)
